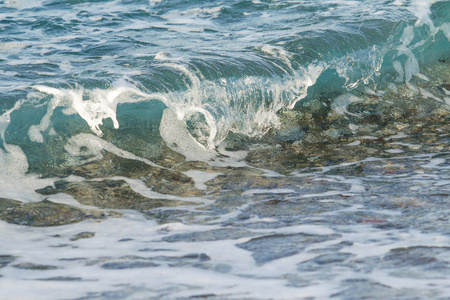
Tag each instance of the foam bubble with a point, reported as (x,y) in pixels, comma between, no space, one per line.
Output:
(12,158)
(12,45)
(394,151)
(162,56)
(200,178)
(411,66)
(434,163)
(13,161)
(84,144)
(102,104)
(399,68)
(340,104)
(422,10)
(429,95)
(445,28)
(21,4)
(398,2)
(16,184)
(279,53)
(407,36)
(175,133)
(35,134)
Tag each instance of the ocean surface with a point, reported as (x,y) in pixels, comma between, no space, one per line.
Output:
(224,149)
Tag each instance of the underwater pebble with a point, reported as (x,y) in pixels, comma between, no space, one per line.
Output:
(32,266)
(47,213)
(6,259)
(128,265)
(82,235)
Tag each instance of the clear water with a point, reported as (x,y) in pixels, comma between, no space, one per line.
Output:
(292,149)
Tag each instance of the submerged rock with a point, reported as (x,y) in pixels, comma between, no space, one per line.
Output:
(115,194)
(32,266)
(6,259)
(128,265)
(166,181)
(268,248)
(213,235)
(62,278)
(321,148)
(45,213)
(8,203)
(82,235)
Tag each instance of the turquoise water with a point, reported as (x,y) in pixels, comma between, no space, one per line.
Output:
(296,145)
(228,66)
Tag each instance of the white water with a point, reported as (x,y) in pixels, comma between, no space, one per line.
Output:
(229,271)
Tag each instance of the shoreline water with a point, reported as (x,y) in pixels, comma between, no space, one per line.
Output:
(360,214)
(184,150)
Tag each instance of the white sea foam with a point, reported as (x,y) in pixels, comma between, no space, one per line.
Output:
(200,178)
(35,134)
(230,110)
(175,133)
(446,29)
(422,10)
(16,184)
(434,162)
(134,238)
(355,143)
(427,94)
(340,104)
(263,281)
(447,100)
(12,45)
(162,56)
(102,105)
(84,144)
(399,68)
(279,53)
(228,270)
(394,151)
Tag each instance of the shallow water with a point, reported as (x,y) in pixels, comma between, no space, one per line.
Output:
(369,228)
(224,150)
